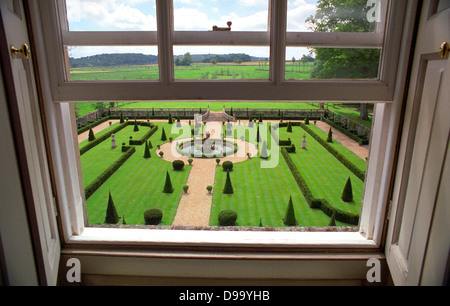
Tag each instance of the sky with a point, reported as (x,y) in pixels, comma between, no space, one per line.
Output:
(189,15)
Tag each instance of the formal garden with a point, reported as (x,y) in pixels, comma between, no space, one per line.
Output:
(139,171)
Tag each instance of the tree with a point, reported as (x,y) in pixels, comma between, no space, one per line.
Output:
(91,135)
(333,219)
(344,63)
(228,189)
(168,185)
(289,127)
(136,127)
(213,60)
(163,135)
(147,151)
(330,136)
(347,193)
(111,214)
(187,59)
(264,154)
(289,218)
(170,118)
(121,118)
(257,134)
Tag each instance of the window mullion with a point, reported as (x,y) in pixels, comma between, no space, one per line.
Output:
(278,19)
(164,15)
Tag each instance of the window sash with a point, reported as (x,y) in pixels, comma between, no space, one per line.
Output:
(276,88)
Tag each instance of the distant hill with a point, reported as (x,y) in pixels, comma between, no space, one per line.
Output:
(105,60)
(119,59)
(221,58)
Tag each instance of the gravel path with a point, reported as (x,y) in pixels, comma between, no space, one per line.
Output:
(195,205)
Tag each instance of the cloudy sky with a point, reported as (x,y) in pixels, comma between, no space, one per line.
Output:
(189,15)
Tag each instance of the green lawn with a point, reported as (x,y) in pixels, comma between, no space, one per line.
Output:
(138,184)
(324,174)
(99,158)
(259,192)
(262,193)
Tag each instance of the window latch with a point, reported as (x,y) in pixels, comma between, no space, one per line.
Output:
(216,28)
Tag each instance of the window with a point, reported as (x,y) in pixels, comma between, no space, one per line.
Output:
(380,89)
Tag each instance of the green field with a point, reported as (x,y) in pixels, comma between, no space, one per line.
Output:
(196,71)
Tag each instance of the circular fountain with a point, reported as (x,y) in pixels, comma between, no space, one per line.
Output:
(207,148)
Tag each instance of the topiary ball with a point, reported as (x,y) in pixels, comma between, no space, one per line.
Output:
(178,165)
(227,166)
(153,216)
(227,218)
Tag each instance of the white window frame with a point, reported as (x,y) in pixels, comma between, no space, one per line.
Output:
(57,95)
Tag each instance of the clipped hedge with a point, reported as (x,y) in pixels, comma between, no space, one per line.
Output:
(321,204)
(346,162)
(92,124)
(143,139)
(92,187)
(361,141)
(102,138)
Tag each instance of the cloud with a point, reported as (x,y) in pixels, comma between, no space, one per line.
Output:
(298,12)
(111,15)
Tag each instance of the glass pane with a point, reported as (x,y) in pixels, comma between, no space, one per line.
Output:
(113,63)
(223,63)
(332,63)
(334,15)
(202,15)
(111,15)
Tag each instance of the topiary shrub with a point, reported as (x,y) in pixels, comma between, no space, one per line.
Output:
(168,185)
(178,165)
(228,189)
(289,127)
(227,218)
(333,219)
(289,218)
(163,135)
(147,151)
(91,135)
(347,193)
(153,216)
(111,214)
(330,136)
(227,165)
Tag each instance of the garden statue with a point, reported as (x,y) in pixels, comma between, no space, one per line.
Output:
(113,141)
(304,142)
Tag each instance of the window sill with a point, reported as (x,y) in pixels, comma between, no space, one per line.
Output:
(222,239)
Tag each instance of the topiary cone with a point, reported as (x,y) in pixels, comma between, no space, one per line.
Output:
(289,218)
(111,214)
(168,185)
(347,193)
(228,189)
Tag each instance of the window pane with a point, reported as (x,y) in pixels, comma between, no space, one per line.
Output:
(334,16)
(202,15)
(223,63)
(113,63)
(111,15)
(332,63)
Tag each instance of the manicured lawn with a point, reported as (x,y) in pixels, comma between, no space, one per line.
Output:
(324,174)
(138,184)
(262,193)
(258,192)
(99,158)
